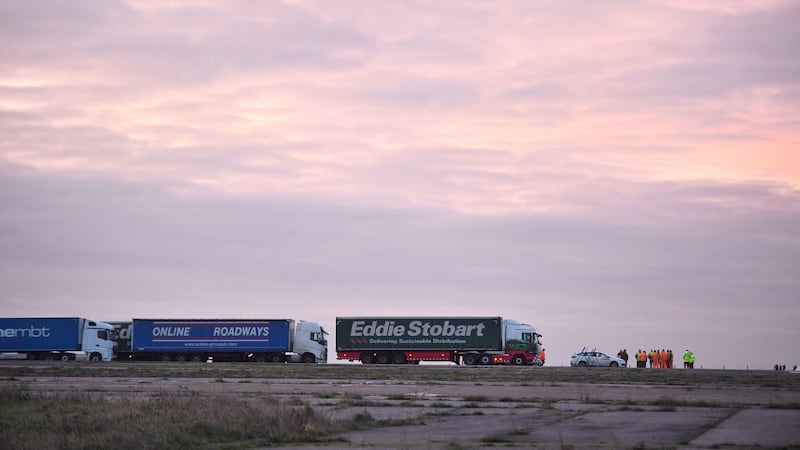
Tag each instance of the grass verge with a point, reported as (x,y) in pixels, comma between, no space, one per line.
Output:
(31,421)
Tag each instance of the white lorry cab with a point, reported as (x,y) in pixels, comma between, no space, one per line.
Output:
(310,343)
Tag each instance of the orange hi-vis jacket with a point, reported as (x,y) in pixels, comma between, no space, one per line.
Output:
(664,359)
(656,359)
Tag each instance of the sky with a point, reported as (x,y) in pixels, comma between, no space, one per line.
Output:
(619,174)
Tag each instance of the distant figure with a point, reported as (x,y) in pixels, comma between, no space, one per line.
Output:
(687,357)
(642,359)
(541,355)
(776,367)
(625,356)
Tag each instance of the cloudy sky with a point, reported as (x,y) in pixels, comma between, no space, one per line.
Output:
(617,173)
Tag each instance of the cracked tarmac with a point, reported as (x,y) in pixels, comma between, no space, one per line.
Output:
(463,414)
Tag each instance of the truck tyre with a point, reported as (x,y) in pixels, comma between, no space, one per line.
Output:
(399,358)
(64,357)
(518,360)
(166,358)
(383,358)
(276,358)
(308,358)
(180,358)
(485,359)
(470,360)
(95,357)
(196,358)
(367,358)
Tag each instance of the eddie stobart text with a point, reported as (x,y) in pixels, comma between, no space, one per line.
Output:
(415,328)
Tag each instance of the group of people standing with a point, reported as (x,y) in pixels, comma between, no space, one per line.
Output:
(659,359)
(662,359)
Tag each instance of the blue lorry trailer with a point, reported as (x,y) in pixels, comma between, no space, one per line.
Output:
(62,338)
(217,339)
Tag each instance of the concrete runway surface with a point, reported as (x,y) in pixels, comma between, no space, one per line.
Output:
(479,414)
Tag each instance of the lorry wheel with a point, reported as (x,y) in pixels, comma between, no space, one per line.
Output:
(279,358)
(485,359)
(308,358)
(196,358)
(470,360)
(367,358)
(180,358)
(518,360)
(383,358)
(64,357)
(399,358)
(166,358)
(95,357)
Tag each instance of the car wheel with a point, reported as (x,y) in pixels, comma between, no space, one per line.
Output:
(614,364)
(581,363)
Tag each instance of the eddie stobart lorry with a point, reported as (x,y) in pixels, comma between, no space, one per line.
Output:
(409,340)
(64,338)
(259,340)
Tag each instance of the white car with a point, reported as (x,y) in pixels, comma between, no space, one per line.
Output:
(586,358)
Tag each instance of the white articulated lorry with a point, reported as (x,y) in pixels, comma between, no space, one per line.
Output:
(258,340)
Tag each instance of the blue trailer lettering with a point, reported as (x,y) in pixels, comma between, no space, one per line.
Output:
(241,331)
(33,332)
(171,331)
